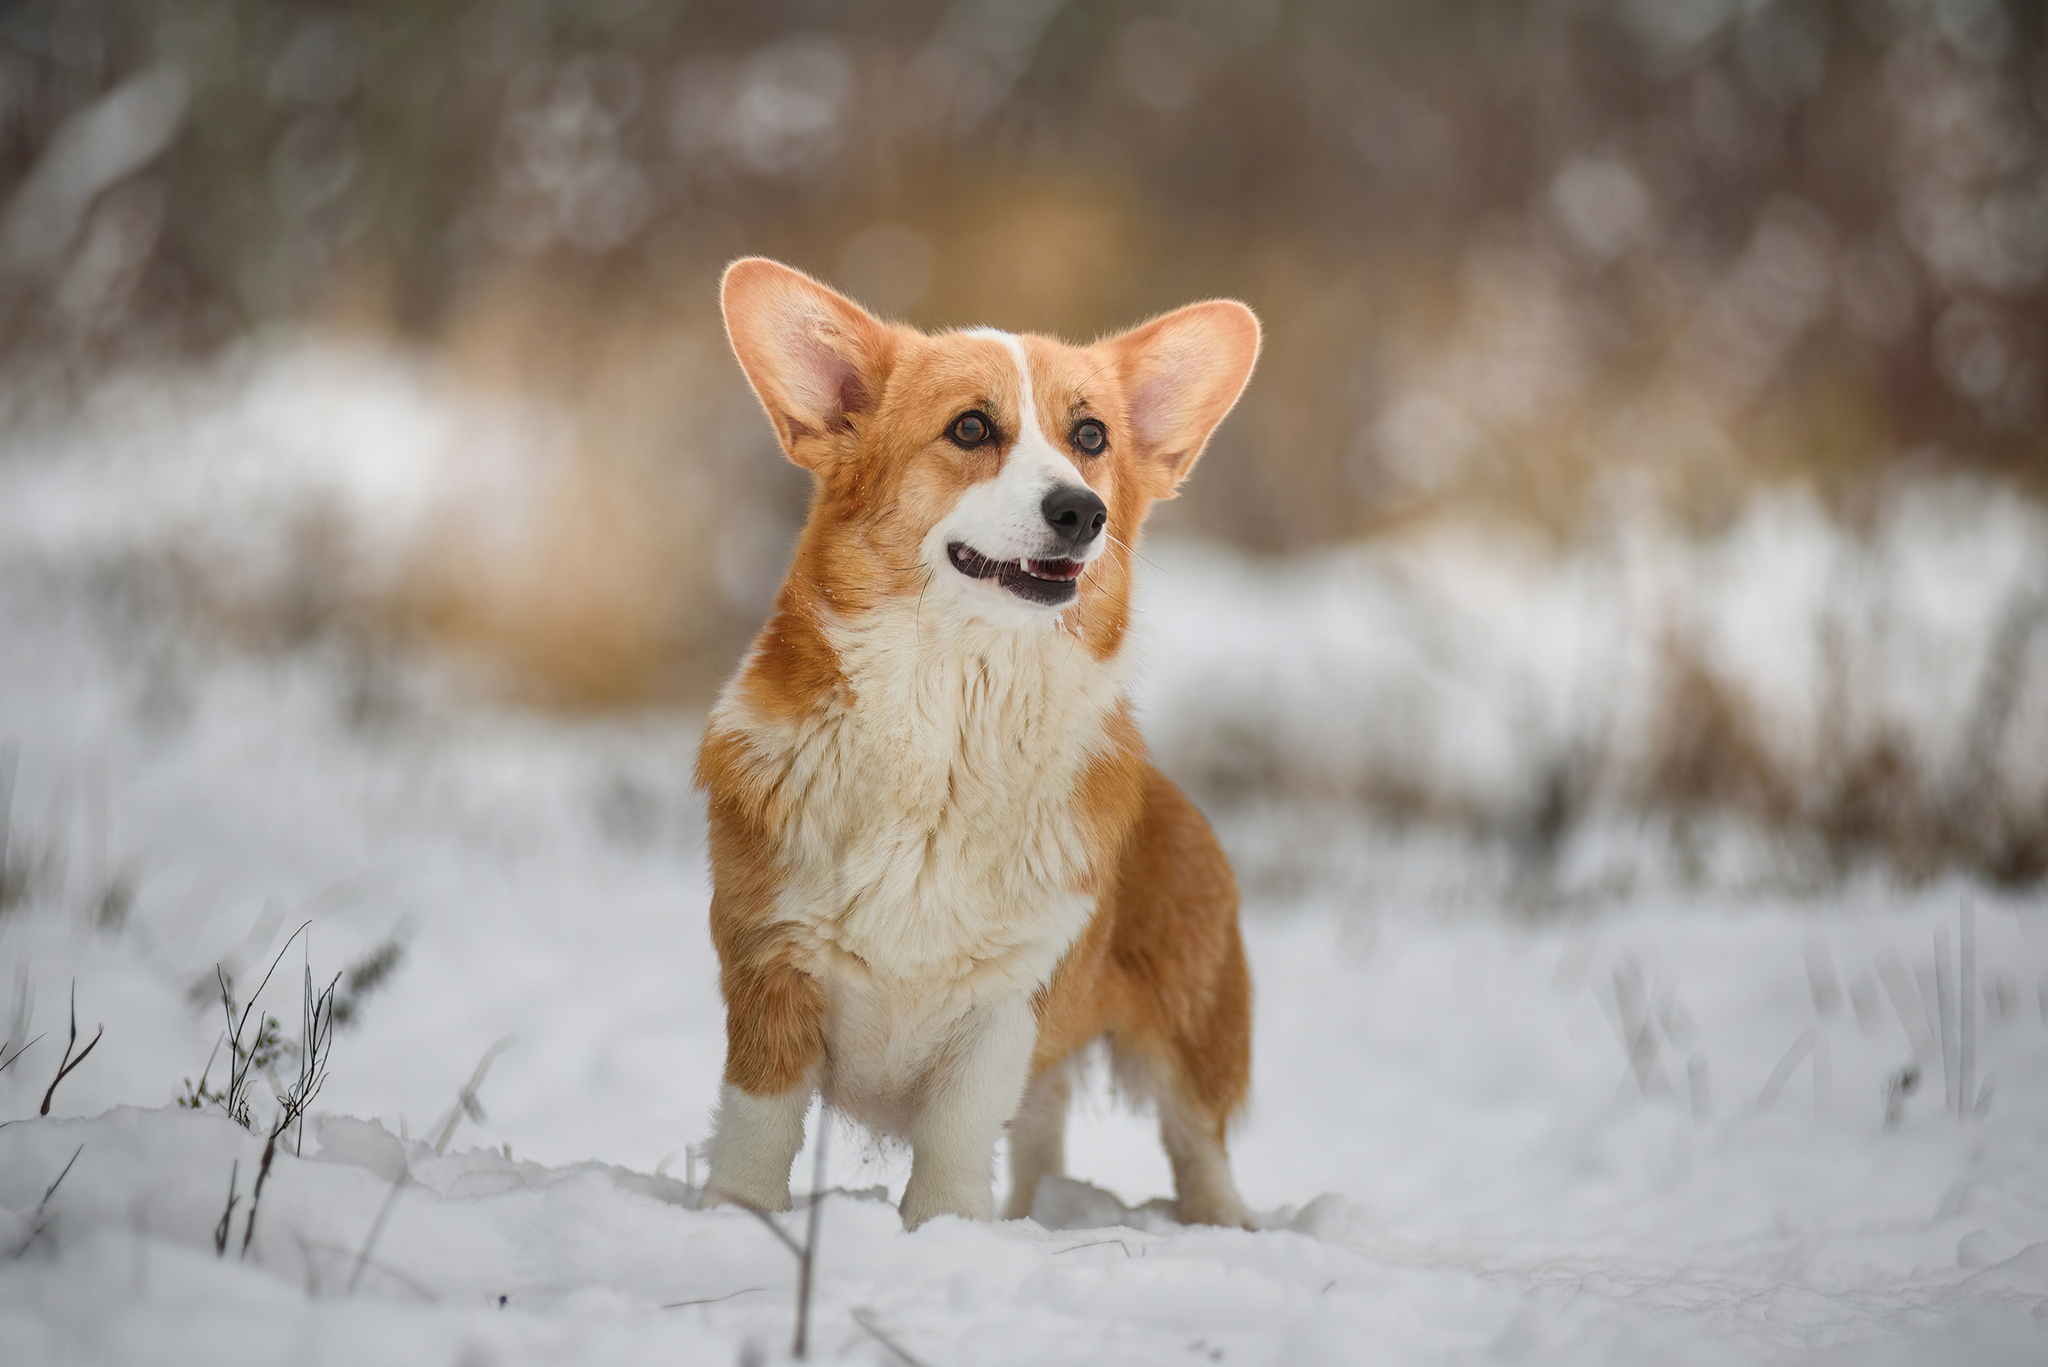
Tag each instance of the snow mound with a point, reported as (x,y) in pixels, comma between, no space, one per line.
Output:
(1689,1121)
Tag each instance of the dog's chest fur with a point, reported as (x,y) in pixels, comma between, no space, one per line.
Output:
(933,857)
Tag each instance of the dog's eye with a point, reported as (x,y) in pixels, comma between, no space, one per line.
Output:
(971,429)
(1090,437)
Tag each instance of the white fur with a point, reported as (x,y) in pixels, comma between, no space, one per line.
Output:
(975,1090)
(1038,1138)
(1203,1190)
(753,1142)
(932,865)
(1003,518)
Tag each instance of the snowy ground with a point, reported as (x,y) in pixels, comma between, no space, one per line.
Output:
(1648,1125)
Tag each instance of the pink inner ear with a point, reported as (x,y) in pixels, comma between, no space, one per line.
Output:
(1157,404)
(823,382)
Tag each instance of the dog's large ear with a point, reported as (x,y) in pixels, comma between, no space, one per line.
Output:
(815,358)
(1183,372)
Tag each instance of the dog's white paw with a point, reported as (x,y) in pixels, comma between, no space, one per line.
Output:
(764,1196)
(924,1201)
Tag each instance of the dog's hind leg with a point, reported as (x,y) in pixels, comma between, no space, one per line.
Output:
(1203,1189)
(1038,1138)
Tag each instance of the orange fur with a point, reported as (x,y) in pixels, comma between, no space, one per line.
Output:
(799,856)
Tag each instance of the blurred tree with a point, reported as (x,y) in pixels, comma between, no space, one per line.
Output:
(1506,247)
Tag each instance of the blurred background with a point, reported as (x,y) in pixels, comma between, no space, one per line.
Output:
(1648,437)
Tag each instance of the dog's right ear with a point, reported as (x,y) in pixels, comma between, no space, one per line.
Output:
(815,358)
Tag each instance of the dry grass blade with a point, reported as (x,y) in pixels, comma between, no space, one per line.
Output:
(36,1223)
(712,1300)
(425,1294)
(9,1060)
(465,1105)
(68,1063)
(51,1190)
(377,1228)
(1094,1243)
(1782,1074)
(465,1101)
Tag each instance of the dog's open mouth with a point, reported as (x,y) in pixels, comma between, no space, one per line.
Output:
(1035,581)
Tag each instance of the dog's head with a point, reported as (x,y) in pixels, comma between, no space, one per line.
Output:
(1000,477)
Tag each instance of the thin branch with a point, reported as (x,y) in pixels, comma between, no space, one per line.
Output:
(863,1318)
(1782,1074)
(220,1231)
(808,1258)
(256,1192)
(377,1227)
(777,1230)
(425,1293)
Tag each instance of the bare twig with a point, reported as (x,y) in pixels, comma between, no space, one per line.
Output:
(220,1231)
(1966,1013)
(1900,1084)
(10,761)
(712,1300)
(316,1042)
(424,1293)
(377,1227)
(68,1063)
(1700,1087)
(808,1259)
(245,1059)
(1898,985)
(1782,1074)
(256,1192)
(863,1318)
(778,1231)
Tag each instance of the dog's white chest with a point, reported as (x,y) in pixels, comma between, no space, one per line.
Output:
(934,856)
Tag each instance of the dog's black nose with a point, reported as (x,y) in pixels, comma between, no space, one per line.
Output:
(1075,514)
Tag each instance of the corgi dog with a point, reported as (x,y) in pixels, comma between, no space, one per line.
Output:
(941,860)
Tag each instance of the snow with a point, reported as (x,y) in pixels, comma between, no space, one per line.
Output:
(1643,1121)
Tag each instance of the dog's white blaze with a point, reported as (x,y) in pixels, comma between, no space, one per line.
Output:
(930,865)
(1003,518)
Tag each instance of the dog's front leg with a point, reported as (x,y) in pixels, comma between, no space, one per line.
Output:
(972,1093)
(772,1059)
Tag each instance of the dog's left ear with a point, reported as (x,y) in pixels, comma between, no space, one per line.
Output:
(815,358)
(1183,372)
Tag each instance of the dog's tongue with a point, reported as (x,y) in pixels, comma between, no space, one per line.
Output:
(1053,569)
